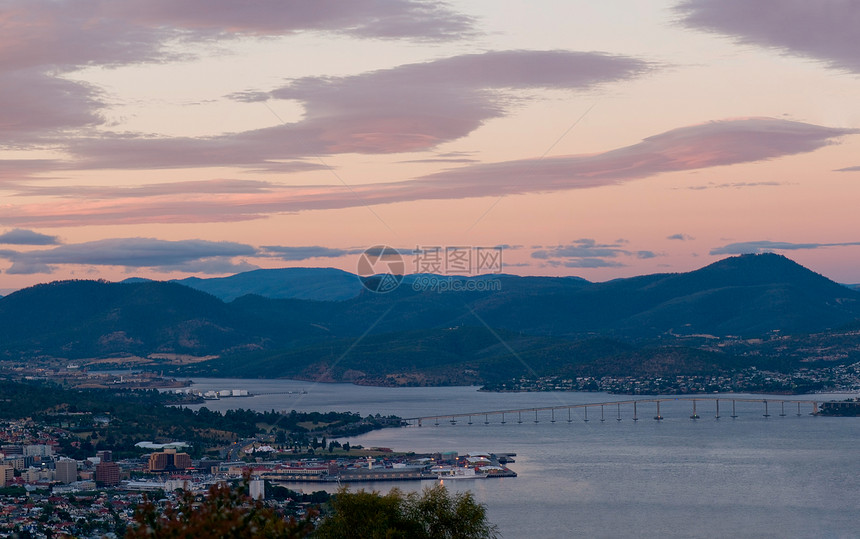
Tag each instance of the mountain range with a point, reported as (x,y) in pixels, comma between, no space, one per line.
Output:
(325,324)
(322,284)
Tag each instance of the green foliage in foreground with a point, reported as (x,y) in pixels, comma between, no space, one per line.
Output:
(224,513)
(228,512)
(435,513)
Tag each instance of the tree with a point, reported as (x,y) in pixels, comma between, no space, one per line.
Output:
(445,515)
(361,514)
(435,513)
(230,513)
(225,513)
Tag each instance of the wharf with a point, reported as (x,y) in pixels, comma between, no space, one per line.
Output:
(458,468)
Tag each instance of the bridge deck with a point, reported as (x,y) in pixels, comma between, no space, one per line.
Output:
(630,402)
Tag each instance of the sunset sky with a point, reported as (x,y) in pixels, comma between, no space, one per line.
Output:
(164,138)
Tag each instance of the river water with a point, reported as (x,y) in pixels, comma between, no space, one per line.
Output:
(752,476)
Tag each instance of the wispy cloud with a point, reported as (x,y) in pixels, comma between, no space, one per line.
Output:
(825,30)
(407,108)
(582,248)
(191,256)
(13,172)
(305,253)
(680,237)
(393,19)
(849,169)
(67,33)
(763,246)
(731,185)
(37,105)
(219,186)
(43,39)
(20,236)
(442,160)
(586,263)
(161,255)
(587,253)
(706,145)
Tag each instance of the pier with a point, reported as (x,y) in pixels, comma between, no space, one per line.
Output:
(624,408)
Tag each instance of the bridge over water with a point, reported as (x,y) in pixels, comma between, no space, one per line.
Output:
(630,409)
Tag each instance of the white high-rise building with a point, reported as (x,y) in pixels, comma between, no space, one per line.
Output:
(257,489)
(38,450)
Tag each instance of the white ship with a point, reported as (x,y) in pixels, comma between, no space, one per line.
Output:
(456,473)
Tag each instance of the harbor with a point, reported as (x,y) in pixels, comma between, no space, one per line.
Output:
(445,466)
(218,394)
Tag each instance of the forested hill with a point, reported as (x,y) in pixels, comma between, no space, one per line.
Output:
(745,296)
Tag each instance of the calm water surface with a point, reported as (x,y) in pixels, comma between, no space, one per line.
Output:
(747,477)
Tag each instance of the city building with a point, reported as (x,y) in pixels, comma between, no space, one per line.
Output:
(20,463)
(38,450)
(66,471)
(12,450)
(7,474)
(169,461)
(107,474)
(34,475)
(257,489)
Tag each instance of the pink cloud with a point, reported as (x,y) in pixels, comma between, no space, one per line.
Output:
(68,33)
(13,171)
(408,108)
(222,186)
(41,39)
(711,144)
(824,29)
(63,34)
(699,146)
(36,104)
(366,18)
(161,255)
(767,246)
